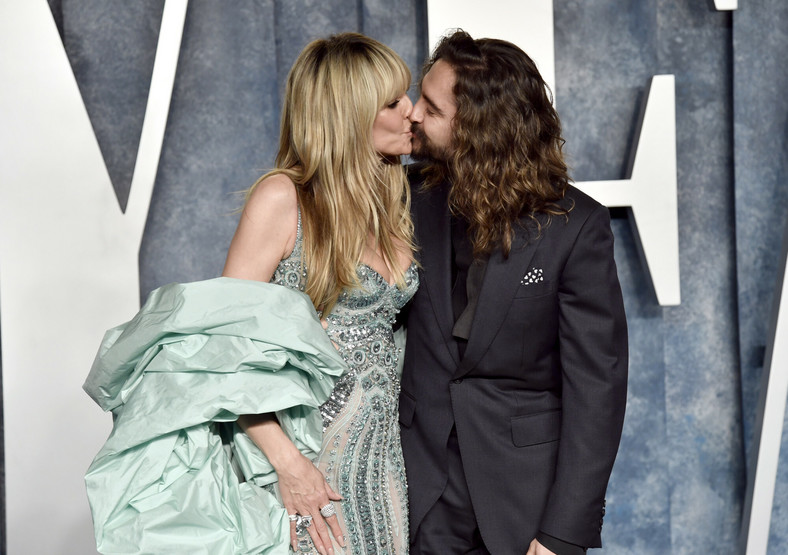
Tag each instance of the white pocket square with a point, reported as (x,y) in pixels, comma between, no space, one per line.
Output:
(534,276)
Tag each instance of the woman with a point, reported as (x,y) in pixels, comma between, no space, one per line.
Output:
(333,220)
(181,471)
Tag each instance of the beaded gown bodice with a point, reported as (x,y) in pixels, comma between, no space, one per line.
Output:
(361,456)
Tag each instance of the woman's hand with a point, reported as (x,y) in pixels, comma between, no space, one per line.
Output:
(537,548)
(303,487)
(304,491)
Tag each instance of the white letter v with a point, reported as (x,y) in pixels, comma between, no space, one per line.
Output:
(68,267)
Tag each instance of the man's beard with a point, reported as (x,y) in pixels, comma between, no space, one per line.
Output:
(424,150)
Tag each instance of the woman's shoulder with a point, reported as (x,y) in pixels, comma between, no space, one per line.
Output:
(272,209)
(273,194)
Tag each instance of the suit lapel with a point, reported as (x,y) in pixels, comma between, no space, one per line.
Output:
(434,233)
(501,281)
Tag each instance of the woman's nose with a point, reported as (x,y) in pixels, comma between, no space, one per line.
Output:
(408,104)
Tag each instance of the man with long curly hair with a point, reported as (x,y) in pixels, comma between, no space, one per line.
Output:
(514,385)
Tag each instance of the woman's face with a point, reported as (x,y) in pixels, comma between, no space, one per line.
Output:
(391,130)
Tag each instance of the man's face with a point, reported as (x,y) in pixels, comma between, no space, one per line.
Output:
(433,114)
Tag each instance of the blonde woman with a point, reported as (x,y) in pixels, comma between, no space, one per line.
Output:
(333,220)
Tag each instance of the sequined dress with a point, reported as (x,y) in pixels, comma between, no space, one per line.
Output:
(361,455)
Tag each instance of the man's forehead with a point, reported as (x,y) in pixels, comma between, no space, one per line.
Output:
(438,85)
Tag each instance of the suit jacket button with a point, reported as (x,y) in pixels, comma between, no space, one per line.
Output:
(457,381)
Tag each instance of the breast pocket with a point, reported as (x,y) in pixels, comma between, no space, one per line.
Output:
(537,428)
(528,290)
(532,310)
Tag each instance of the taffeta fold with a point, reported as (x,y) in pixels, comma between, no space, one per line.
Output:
(177,475)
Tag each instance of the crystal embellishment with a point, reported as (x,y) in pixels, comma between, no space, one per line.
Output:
(361,456)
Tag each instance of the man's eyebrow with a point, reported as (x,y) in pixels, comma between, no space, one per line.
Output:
(431,103)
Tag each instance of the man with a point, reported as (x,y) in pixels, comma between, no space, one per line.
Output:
(514,382)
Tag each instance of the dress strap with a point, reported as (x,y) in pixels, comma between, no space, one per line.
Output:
(299,230)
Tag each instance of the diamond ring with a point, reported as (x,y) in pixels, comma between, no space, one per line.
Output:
(328,510)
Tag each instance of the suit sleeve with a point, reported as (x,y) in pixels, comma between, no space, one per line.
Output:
(594,360)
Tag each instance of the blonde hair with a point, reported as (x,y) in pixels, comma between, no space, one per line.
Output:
(346,190)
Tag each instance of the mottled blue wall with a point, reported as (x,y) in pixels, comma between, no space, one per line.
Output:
(760,107)
(223,127)
(678,484)
(111,50)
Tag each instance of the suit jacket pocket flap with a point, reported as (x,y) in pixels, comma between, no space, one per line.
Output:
(533,429)
(407,407)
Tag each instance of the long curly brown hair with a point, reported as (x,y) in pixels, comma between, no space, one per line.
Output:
(506,158)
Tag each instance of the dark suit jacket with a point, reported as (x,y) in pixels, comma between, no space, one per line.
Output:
(538,399)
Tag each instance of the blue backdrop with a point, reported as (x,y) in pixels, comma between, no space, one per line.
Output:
(678,484)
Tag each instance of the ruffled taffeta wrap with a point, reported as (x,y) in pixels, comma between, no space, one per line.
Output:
(176,377)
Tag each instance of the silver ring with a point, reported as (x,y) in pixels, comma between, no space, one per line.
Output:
(302,523)
(293,517)
(328,510)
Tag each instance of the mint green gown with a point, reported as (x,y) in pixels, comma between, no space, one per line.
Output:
(177,475)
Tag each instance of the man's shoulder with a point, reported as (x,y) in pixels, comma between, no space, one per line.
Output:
(579,209)
(579,202)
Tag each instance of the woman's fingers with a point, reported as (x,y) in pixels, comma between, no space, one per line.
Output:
(293,517)
(320,536)
(336,530)
(323,524)
(304,489)
(329,513)
(307,525)
(332,495)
